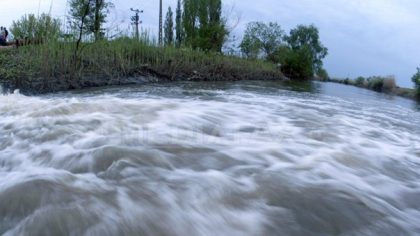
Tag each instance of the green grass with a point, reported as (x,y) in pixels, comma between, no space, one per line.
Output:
(58,66)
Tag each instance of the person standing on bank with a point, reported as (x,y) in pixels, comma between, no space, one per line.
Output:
(2,42)
(6,34)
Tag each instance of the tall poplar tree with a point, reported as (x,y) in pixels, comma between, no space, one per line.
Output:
(190,22)
(203,25)
(178,25)
(169,28)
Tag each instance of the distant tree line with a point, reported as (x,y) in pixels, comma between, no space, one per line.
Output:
(299,54)
(376,83)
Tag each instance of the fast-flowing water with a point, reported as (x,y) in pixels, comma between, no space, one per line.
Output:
(202,159)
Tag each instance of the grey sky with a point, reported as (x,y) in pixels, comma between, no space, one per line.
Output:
(364,37)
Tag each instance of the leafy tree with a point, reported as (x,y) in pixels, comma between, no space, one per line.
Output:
(87,16)
(42,27)
(169,27)
(203,25)
(298,63)
(189,22)
(212,32)
(346,81)
(250,47)
(360,81)
(178,25)
(323,74)
(102,9)
(307,38)
(416,81)
(263,40)
(376,83)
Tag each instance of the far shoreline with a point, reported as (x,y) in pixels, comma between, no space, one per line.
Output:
(393,90)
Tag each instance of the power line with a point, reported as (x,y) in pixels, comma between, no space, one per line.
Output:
(136,21)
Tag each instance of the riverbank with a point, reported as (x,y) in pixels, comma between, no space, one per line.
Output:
(54,67)
(379,84)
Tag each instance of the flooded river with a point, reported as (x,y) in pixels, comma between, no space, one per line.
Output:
(204,159)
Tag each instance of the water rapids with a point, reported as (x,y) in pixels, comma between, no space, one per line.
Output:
(228,159)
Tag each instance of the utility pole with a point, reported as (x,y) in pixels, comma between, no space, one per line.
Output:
(160,24)
(136,21)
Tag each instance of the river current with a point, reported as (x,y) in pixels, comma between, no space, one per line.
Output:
(203,159)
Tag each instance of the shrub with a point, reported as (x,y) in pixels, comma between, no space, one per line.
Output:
(298,63)
(323,75)
(389,83)
(346,81)
(360,81)
(376,83)
(335,80)
(416,81)
(366,84)
(43,26)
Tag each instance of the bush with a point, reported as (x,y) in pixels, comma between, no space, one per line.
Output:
(323,75)
(335,80)
(298,64)
(43,26)
(376,83)
(366,84)
(360,81)
(416,81)
(346,81)
(389,83)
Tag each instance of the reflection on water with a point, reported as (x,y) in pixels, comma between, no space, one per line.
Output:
(247,158)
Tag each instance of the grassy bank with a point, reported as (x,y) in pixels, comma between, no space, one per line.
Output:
(59,66)
(379,84)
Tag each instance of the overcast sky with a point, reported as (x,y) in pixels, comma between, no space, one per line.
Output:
(364,37)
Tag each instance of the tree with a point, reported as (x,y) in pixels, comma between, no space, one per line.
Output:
(87,16)
(212,32)
(250,47)
(102,8)
(189,22)
(169,27)
(416,81)
(203,25)
(298,63)
(307,38)
(323,75)
(262,40)
(360,81)
(42,27)
(178,25)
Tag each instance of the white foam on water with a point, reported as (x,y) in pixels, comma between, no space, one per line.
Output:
(237,163)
